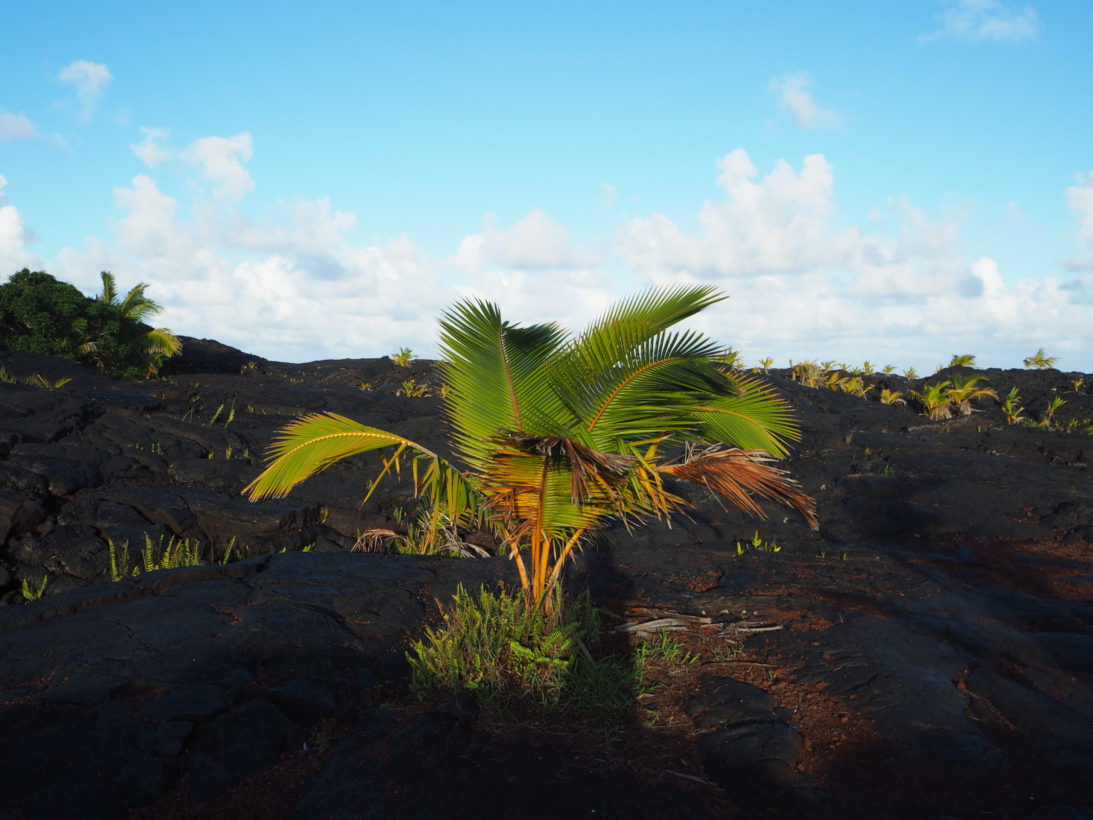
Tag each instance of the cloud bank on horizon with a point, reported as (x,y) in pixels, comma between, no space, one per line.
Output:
(822,255)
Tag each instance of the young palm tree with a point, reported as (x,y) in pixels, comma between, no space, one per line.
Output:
(935,399)
(1011,407)
(1040,360)
(892,397)
(556,433)
(962,360)
(964,391)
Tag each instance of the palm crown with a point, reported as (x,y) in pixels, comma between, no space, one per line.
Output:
(558,433)
(158,343)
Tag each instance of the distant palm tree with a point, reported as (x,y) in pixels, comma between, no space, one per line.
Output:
(935,399)
(156,344)
(558,433)
(964,391)
(1040,360)
(962,360)
(891,396)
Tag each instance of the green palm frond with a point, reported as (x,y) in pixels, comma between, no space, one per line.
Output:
(314,442)
(654,381)
(751,417)
(109,293)
(496,375)
(633,322)
(137,306)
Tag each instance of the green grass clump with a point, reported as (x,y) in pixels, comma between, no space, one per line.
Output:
(176,552)
(163,553)
(512,657)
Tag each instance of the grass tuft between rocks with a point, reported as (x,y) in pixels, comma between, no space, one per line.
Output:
(514,658)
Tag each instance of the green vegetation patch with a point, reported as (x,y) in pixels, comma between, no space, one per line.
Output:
(513,657)
(40,314)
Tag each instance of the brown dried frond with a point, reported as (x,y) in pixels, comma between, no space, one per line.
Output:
(739,474)
(375,540)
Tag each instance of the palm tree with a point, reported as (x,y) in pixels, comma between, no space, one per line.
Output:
(155,345)
(1040,360)
(1011,407)
(935,399)
(892,397)
(962,360)
(964,391)
(556,434)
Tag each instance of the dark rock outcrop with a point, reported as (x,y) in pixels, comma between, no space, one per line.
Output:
(943,609)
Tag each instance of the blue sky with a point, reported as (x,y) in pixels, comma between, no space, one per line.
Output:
(895,182)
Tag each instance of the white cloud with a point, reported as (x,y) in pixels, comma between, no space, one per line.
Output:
(220,160)
(11,232)
(148,230)
(14,235)
(295,285)
(984,20)
(801,289)
(294,290)
(151,150)
(88,79)
(314,228)
(3,185)
(534,242)
(572,298)
(793,93)
(779,224)
(16,127)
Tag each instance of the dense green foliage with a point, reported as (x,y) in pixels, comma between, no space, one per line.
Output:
(39,314)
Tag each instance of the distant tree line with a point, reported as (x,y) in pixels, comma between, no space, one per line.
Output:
(40,314)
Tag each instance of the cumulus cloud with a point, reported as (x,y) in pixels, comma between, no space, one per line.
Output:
(220,160)
(296,285)
(572,298)
(778,224)
(11,233)
(793,93)
(313,228)
(14,236)
(148,230)
(800,288)
(151,150)
(16,127)
(532,243)
(293,290)
(986,20)
(88,79)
